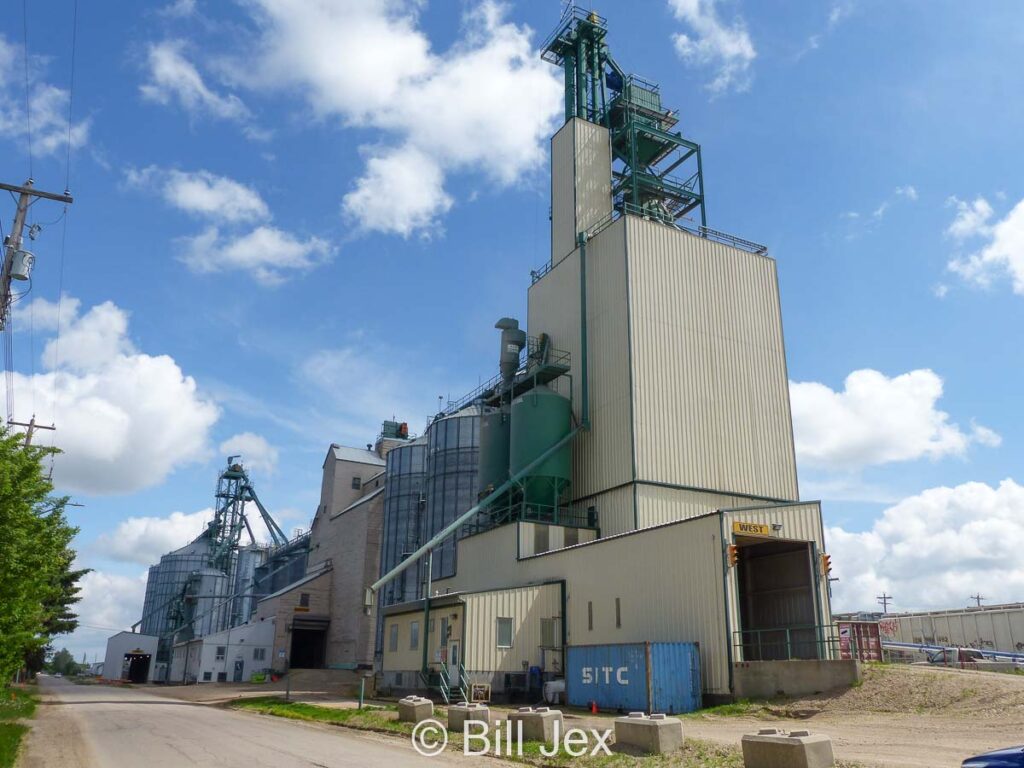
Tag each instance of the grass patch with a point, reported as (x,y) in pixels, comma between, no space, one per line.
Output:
(740,708)
(15,704)
(377,719)
(10,738)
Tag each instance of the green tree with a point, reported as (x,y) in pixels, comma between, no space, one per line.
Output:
(63,663)
(38,585)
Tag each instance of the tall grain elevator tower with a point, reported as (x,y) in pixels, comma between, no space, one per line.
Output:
(688,391)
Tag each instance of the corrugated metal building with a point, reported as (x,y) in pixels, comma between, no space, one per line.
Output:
(688,466)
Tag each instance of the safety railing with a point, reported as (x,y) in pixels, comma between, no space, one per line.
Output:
(809,641)
(626,207)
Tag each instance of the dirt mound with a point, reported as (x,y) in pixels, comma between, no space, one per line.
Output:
(912,689)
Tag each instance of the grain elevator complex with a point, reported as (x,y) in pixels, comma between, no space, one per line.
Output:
(624,486)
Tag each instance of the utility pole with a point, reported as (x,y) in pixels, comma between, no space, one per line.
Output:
(31,428)
(884,600)
(27,195)
(977,598)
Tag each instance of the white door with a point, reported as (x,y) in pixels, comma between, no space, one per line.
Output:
(453,661)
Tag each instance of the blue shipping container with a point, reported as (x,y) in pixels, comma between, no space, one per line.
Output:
(636,677)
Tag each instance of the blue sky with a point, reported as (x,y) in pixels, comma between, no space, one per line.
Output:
(306,216)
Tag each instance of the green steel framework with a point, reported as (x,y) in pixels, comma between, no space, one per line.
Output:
(647,154)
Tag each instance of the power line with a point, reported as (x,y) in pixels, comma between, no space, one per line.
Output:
(28,106)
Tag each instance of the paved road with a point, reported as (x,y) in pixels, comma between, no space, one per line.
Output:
(85,726)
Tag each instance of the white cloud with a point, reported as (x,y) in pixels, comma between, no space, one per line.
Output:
(48,105)
(971,218)
(875,420)
(909,192)
(1002,254)
(940,291)
(173,78)
(144,540)
(402,191)
(934,549)
(110,601)
(485,105)
(203,193)
(257,454)
(125,419)
(179,9)
(42,314)
(725,47)
(267,253)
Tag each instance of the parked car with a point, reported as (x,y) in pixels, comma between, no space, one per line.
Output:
(1012,757)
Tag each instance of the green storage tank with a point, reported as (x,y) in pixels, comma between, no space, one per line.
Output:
(494,445)
(540,418)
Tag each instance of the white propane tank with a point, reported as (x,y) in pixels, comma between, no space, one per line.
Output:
(21,265)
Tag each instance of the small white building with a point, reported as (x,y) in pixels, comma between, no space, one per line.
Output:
(130,656)
(234,655)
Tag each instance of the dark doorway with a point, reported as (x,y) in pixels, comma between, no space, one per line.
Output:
(138,666)
(308,647)
(778,613)
(239,670)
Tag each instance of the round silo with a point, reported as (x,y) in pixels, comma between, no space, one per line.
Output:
(403,498)
(453,452)
(540,418)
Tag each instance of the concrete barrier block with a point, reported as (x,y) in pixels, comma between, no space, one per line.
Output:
(413,709)
(772,748)
(458,714)
(538,724)
(655,735)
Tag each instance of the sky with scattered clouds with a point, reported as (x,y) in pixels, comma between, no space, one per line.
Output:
(296,218)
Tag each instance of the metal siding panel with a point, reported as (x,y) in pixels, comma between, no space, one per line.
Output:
(657,505)
(711,396)
(675,677)
(563,193)
(593,174)
(602,457)
(672,591)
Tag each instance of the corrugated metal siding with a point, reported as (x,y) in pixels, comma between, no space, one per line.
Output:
(800,522)
(593,174)
(645,677)
(563,192)
(602,457)
(668,580)
(615,510)
(709,369)
(581,182)
(657,505)
(526,606)
(999,629)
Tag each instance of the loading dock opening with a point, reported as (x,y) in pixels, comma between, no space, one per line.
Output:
(136,667)
(778,610)
(309,643)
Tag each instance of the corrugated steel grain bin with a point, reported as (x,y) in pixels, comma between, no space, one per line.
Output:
(648,677)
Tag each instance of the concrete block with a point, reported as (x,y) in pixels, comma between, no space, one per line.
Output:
(538,724)
(413,709)
(655,735)
(458,714)
(772,748)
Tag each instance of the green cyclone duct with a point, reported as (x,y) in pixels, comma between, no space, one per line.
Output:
(494,445)
(540,418)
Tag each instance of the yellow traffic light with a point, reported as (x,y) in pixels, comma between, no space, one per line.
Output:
(734,555)
(826,564)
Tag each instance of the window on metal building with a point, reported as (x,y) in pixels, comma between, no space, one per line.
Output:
(221,652)
(304,599)
(504,632)
(207,677)
(414,635)
(393,639)
(357,482)
(259,654)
